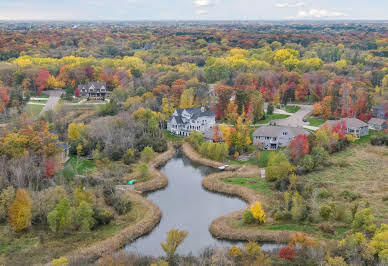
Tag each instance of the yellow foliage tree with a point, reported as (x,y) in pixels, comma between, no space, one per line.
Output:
(75,130)
(19,212)
(235,252)
(174,239)
(61,261)
(258,212)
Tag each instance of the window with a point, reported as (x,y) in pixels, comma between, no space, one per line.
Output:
(285,133)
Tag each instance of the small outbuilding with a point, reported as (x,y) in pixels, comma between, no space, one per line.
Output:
(377,124)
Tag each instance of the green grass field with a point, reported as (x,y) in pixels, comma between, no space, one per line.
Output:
(170,136)
(80,165)
(33,109)
(272,117)
(38,101)
(292,109)
(257,184)
(315,122)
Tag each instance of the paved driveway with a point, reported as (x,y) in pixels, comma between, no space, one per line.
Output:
(297,118)
(52,101)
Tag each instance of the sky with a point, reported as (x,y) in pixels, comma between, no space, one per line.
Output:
(193,9)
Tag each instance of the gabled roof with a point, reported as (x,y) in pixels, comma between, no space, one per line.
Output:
(350,122)
(195,113)
(376,121)
(275,131)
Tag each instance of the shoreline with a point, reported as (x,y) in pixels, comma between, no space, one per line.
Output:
(219,227)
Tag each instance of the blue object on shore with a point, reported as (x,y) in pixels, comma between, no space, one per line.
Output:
(131,182)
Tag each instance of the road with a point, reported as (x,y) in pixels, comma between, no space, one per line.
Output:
(296,119)
(52,101)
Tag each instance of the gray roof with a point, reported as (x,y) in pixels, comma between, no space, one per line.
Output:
(381,106)
(96,84)
(209,134)
(64,146)
(195,113)
(350,122)
(275,131)
(376,121)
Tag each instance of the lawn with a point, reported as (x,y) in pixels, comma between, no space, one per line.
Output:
(366,139)
(256,184)
(170,136)
(315,122)
(81,165)
(38,101)
(292,109)
(39,245)
(272,117)
(42,95)
(360,169)
(33,109)
(261,162)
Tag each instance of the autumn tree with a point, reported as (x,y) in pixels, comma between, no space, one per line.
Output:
(258,213)
(298,147)
(224,93)
(174,239)
(41,80)
(4,99)
(19,212)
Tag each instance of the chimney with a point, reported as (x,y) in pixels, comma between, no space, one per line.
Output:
(202,109)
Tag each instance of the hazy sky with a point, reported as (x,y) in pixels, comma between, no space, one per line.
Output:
(192,9)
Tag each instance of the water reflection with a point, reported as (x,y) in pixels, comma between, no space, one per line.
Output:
(186,206)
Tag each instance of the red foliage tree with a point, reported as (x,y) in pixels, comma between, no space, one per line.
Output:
(49,168)
(41,80)
(4,99)
(77,92)
(364,117)
(340,129)
(299,146)
(287,253)
(224,94)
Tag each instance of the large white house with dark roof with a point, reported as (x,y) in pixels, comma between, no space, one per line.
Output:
(273,137)
(185,120)
(94,90)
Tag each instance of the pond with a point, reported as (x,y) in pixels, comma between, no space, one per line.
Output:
(186,205)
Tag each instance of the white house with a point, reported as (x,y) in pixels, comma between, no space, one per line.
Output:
(185,120)
(273,137)
(353,126)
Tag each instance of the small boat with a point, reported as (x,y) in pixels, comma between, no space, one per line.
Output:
(223,167)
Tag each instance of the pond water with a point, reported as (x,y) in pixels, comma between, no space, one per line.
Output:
(186,205)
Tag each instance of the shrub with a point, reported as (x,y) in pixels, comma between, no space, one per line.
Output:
(235,252)
(143,171)
(326,229)
(19,212)
(84,217)
(61,219)
(270,109)
(257,212)
(61,261)
(324,193)
(364,221)
(287,253)
(102,216)
(108,193)
(307,163)
(121,204)
(338,211)
(7,196)
(248,217)
(320,156)
(83,195)
(147,154)
(130,156)
(114,152)
(196,139)
(282,216)
(325,211)
(349,195)
(157,144)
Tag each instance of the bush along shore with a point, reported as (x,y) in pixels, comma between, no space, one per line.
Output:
(158,180)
